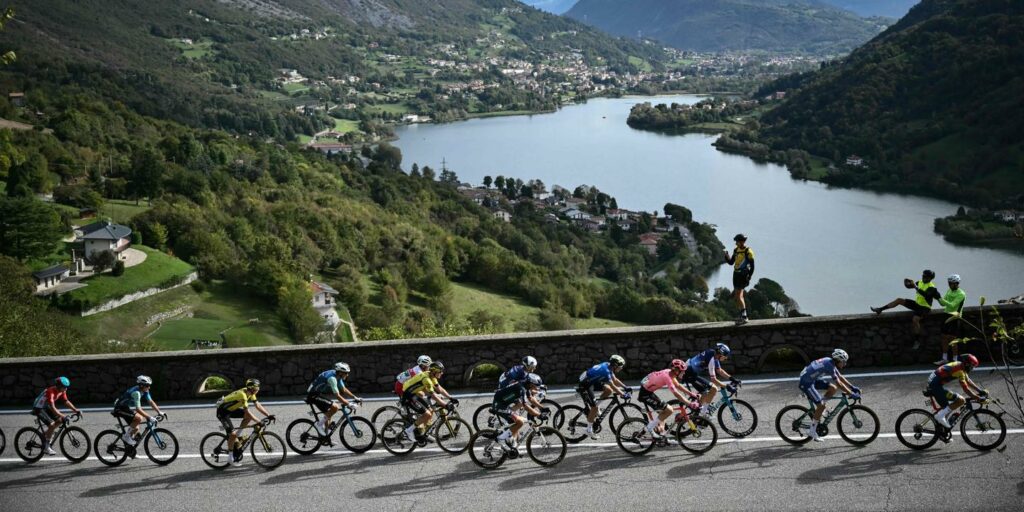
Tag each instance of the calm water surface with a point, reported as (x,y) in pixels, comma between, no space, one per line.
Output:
(833,250)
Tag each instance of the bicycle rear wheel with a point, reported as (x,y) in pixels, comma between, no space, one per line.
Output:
(110,448)
(697,441)
(483,419)
(3,442)
(214,451)
(485,450)
(624,411)
(384,415)
(737,419)
(633,437)
(392,436)
(792,423)
(546,446)
(302,437)
(917,429)
(453,434)
(573,421)
(74,442)
(858,425)
(268,450)
(28,443)
(161,446)
(982,429)
(357,434)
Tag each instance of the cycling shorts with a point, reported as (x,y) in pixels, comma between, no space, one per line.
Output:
(942,396)
(44,415)
(225,416)
(740,280)
(416,403)
(320,402)
(700,383)
(651,399)
(950,327)
(505,414)
(586,392)
(918,309)
(813,389)
(124,413)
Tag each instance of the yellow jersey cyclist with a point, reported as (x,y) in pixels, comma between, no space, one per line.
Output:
(520,394)
(816,377)
(703,371)
(236,405)
(417,390)
(602,377)
(957,370)
(661,379)
(129,407)
(45,408)
(323,391)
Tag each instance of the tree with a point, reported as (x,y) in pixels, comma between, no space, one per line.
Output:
(428,173)
(28,228)
(148,169)
(103,260)
(499,182)
(118,269)
(449,177)
(9,56)
(295,306)
(487,182)
(27,327)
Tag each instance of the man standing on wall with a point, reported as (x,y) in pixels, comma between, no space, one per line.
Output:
(742,260)
(926,292)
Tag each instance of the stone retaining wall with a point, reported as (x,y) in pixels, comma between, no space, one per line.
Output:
(871,340)
(132,297)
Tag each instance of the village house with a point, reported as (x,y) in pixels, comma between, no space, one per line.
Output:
(503,215)
(649,241)
(103,236)
(855,161)
(324,300)
(330,148)
(17,99)
(49,278)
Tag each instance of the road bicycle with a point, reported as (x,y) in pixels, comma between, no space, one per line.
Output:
(736,416)
(159,443)
(544,444)
(573,418)
(393,412)
(981,428)
(483,418)
(857,424)
(695,434)
(267,448)
(73,441)
(355,432)
(451,432)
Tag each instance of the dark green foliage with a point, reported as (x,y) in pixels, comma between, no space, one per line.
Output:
(28,228)
(117,270)
(104,260)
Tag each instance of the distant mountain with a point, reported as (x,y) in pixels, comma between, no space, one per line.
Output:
(868,8)
(702,25)
(552,6)
(933,105)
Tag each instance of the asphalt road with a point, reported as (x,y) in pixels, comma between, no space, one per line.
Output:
(757,473)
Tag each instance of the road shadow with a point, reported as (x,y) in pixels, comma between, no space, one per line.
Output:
(319,466)
(585,465)
(40,477)
(746,458)
(174,481)
(883,464)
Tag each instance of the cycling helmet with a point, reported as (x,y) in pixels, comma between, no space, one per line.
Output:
(424,360)
(928,274)
(739,236)
(679,364)
(534,380)
(840,355)
(723,349)
(954,278)
(252,383)
(62,382)
(617,360)
(530,362)
(437,365)
(143,380)
(341,367)
(968,360)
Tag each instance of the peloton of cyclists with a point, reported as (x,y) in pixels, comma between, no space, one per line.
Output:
(816,377)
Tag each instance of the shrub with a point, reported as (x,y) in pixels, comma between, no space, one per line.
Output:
(118,269)
(198,286)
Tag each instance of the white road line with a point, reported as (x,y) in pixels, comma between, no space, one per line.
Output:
(340,452)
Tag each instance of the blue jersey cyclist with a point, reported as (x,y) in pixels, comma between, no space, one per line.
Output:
(600,377)
(323,391)
(129,407)
(823,375)
(703,371)
(521,394)
(518,373)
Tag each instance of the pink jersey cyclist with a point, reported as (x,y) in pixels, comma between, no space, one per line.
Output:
(661,379)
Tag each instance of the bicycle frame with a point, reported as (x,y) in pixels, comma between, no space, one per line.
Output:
(727,392)
(844,402)
(123,426)
(41,427)
(345,411)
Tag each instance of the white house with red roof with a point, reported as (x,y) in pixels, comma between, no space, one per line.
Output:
(324,300)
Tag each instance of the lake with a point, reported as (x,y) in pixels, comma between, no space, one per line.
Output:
(833,250)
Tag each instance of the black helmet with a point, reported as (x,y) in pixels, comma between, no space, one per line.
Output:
(928,274)
(437,365)
(739,236)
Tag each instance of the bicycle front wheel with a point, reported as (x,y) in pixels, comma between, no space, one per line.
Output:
(738,419)
(109,448)
(453,434)
(699,440)
(483,419)
(633,437)
(485,450)
(357,434)
(268,450)
(982,429)
(858,425)
(384,415)
(792,423)
(302,437)
(392,436)
(546,446)
(625,411)
(161,446)
(573,421)
(214,450)
(917,429)
(74,442)
(3,442)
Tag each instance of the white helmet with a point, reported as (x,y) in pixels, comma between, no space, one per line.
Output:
(840,355)
(954,278)
(424,360)
(530,362)
(144,380)
(341,367)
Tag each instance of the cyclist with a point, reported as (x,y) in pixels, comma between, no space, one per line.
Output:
(236,405)
(946,373)
(422,363)
(129,407)
(518,394)
(667,378)
(742,260)
(601,376)
(816,376)
(324,389)
(921,305)
(703,371)
(953,304)
(415,392)
(45,408)
(518,373)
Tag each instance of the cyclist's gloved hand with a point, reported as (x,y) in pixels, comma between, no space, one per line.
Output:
(545,410)
(454,401)
(695,405)
(734,380)
(272,417)
(855,390)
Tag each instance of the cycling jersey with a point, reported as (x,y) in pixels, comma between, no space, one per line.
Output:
(951,371)
(926,293)
(742,260)
(598,375)
(516,374)
(49,396)
(658,380)
(132,398)
(408,374)
(953,300)
(327,383)
(420,382)
(510,395)
(236,400)
(704,362)
(824,367)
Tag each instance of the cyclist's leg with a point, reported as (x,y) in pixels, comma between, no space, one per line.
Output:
(587,394)
(651,400)
(136,421)
(830,390)
(49,420)
(224,417)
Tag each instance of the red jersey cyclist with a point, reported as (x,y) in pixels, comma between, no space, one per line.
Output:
(945,374)
(45,408)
